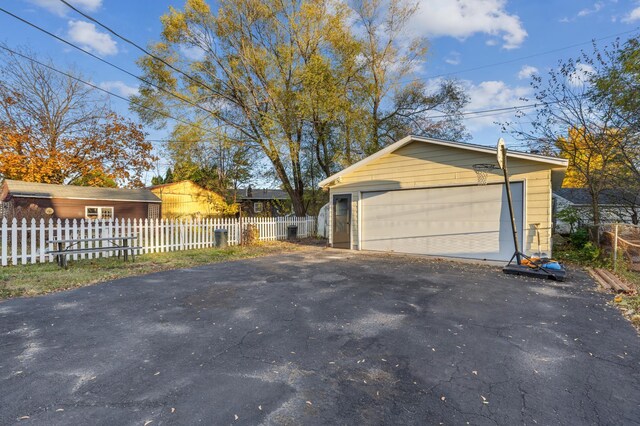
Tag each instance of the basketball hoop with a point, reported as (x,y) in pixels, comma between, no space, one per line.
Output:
(483,170)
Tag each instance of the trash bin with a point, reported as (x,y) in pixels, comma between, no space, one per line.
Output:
(292,232)
(221,237)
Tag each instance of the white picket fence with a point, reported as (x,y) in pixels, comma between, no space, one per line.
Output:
(23,242)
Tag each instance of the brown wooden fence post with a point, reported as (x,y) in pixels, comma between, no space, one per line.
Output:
(615,248)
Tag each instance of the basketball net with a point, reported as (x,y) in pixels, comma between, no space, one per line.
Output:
(482,172)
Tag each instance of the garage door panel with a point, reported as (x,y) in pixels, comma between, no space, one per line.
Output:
(470,221)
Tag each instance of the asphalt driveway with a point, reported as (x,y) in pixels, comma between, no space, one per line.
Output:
(320,337)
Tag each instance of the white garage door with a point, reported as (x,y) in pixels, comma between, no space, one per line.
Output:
(465,221)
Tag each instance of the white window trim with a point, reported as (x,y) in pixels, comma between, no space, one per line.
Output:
(100,209)
(255,204)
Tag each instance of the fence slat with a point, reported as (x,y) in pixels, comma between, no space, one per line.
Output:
(5,244)
(33,237)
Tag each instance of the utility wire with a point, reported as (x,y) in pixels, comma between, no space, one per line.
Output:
(31,24)
(66,74)
(500,110)
(522,58)
(137,46)
(468,114)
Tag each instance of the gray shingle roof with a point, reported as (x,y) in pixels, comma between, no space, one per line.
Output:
(581,196)
(263,194)
(19,188)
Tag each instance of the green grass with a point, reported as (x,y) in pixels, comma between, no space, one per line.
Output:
(36,279)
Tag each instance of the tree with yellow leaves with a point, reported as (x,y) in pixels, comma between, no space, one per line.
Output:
(296,79)
(572,120)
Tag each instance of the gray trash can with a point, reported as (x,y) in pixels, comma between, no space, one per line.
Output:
(292,232)
(221,237)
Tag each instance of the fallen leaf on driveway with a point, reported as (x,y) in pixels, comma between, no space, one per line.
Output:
(173,410)
(309,402)
(23,418)
(442,398)
(157,373)
(260,407)
(235,416)
(474,372)
(148,422)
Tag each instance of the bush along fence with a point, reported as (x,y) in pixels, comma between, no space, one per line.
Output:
(23,242)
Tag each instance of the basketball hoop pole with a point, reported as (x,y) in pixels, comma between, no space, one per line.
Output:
(503,152)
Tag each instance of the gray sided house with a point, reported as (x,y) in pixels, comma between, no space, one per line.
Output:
(263,202)
(614,206)
(41,200)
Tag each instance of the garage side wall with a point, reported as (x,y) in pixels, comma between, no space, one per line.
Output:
(424,165)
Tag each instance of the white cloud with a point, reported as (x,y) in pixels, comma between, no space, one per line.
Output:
(119,87)
(453,58)
(581,75)
(527,71)
(193,53)
(464,18)
(87,36)
(597,7)
(489,95)
(632,16)
(60,9)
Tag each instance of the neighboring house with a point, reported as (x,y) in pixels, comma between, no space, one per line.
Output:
(41,200)
(614,206)
(186,199)
(421,195)
(263,202)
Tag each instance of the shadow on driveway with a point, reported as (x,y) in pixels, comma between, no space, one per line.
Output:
(318,337)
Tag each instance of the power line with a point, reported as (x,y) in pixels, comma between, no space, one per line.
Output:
(500,110)
(485,113)
(137,46)
(522,58)
(31,24)
(66,74)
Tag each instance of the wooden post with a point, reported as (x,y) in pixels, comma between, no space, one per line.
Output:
(615,248)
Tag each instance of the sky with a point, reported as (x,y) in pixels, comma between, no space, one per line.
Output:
(491,46)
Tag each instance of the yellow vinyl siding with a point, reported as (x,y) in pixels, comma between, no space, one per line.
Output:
(423,165)
(186,199)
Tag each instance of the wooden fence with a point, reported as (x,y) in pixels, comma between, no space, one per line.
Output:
(23,242)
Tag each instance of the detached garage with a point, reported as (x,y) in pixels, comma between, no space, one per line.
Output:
(422,196)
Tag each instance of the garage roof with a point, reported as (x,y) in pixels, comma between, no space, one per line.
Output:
(553,161)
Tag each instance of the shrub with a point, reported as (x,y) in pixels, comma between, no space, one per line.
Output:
(250,235)
(589,252)
(579,238)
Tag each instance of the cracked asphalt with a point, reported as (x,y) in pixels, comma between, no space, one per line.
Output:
(321,337)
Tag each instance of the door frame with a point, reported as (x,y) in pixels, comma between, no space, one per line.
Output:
(333,217)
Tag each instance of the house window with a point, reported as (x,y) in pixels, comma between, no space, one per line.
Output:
(154,211)
(104,213)
(257,207)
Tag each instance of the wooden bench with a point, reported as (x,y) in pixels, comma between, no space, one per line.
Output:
(66,247)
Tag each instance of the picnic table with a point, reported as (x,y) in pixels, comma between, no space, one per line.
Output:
(65,247)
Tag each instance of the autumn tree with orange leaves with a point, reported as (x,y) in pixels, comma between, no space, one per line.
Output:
(55,129)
